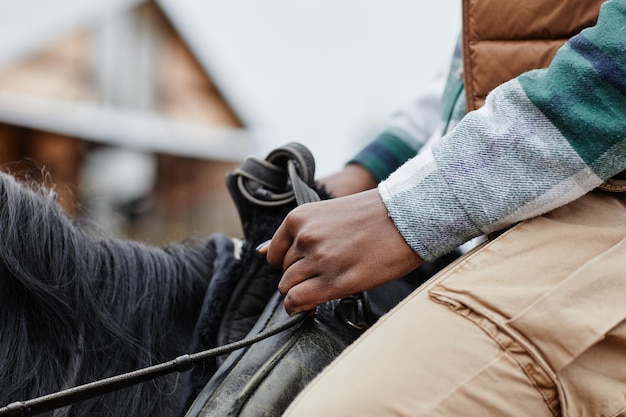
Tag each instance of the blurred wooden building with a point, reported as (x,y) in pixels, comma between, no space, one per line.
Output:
(118,78)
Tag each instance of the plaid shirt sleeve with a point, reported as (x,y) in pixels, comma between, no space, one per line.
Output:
(542,140)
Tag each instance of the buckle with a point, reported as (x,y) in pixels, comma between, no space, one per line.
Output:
(354,311)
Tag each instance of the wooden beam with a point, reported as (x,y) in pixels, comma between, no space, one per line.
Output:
(140,130)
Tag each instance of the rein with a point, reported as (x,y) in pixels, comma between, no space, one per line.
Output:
(264,183)
(104,386)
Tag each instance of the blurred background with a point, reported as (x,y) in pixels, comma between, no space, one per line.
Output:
(136,110)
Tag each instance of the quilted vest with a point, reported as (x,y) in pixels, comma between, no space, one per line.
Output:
(504,38)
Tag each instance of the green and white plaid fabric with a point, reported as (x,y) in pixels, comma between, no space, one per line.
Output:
(542,140)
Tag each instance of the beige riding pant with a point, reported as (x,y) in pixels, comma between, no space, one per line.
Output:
(532,323)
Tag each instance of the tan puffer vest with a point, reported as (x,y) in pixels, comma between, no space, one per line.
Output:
(504,38)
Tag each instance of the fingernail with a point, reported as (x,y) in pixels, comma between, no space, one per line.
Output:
(263,244)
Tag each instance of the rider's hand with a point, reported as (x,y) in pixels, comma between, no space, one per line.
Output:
(352,179)
(335,248)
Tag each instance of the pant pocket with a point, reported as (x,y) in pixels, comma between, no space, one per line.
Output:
(552,291)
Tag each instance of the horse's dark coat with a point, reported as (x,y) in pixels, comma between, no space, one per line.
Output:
(77,306)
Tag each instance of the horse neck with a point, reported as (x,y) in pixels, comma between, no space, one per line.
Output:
(75,308)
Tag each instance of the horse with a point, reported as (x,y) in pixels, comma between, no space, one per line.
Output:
(77,305)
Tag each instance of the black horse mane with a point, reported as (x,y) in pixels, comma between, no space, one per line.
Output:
(77,306)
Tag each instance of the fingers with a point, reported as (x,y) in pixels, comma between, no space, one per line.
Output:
(263,247)
(300,283)
(305,296)
(298,272)
(290,242)
(280,244)
(303,289)
(299,288)
(306,283)
(282,253)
